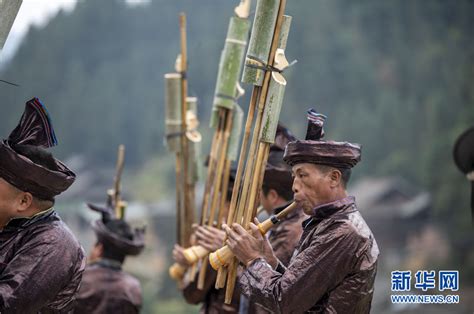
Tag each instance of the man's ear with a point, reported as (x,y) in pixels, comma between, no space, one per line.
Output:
(272,195)
(25,199)
(336,177)
(100,248)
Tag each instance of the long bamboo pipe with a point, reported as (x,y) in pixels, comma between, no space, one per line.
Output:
(232,271)
(223,256)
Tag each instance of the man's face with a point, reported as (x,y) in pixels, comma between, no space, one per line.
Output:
(266,203)
(311,186)
(9,198)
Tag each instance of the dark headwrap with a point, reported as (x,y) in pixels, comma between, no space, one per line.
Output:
(282,137)
(108,237)
(277,172)
(34,129)
(314,150)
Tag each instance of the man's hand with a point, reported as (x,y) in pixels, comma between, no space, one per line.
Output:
(178,256)
(248,246)
(210,238)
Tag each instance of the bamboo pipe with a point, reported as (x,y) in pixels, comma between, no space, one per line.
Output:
(225,187)
(188,208)
(211,168)
(117,179)
(217,186)
(192,254)
(176,271)
(220,167)
(240,168)
(179,204)
(224,255)
(275,41)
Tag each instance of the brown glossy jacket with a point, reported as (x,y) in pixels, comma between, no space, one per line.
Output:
(332,271)
(41,265)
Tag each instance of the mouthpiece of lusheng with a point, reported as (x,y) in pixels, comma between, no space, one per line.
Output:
(177,271)
(195,253)
(223,256)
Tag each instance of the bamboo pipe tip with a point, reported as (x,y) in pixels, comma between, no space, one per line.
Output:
(176,271)
(243,9)
(194,253)
(220,258)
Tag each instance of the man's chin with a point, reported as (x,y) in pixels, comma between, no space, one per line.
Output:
(307,209)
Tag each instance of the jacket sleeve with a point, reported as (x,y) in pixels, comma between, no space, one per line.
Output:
(284,240)
(39,271)
(312,273)
(192,294)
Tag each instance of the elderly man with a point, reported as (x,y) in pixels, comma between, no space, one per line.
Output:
(41,262)
(105,287)
(276,194)
(334,267)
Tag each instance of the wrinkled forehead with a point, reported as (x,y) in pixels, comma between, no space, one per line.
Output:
(304,166)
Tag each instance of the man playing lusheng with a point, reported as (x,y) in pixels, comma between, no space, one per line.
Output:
(105,287)
(333,270)
(276,194)
(211,238)
(41,262)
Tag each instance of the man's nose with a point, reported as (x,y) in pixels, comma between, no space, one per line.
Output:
(294,187)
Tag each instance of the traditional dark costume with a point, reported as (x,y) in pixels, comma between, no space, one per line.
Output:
(333,269)
(106,288)
(41,262)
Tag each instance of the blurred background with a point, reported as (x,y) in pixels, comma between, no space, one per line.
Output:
(395,76)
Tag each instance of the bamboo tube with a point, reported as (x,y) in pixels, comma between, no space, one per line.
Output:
(220,166)
(194,138)
(221,277)
(194,253)
(176,271)
(251,200)
(224,255)
(230,62)
(210,174)
(262,156)
(117,180)
(172,111)
(259,188)
(192,272)
(238,117)
(213,121)
(217,185)
(224,189)
(179,205)
(187,194)
(260,41)
(240,168)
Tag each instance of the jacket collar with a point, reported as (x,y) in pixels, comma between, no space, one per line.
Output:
(24,222)
(342,206)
